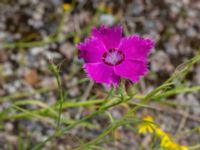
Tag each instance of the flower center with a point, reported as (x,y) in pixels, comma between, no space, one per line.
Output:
(113,57)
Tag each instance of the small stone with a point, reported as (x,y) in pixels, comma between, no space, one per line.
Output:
(8,126)
(107,19)
(137,7)
(67,50)
(7,69)
(161,62)
(171,49)
(31,77)
(191,32)
(36,50)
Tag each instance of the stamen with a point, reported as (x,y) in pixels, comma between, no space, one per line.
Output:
(113,57)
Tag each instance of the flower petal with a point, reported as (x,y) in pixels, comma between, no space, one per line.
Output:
(91,50)
(131,69)
(110,36)
(135,47)
(101,73)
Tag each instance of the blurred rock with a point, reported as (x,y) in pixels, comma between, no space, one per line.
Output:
(7,69)
(31,77)
(73,89)
(107,19)
(161,62)
(67,49)
(137,7)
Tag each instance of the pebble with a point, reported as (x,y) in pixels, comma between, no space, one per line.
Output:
(7,69)
(107,19)
(9,127)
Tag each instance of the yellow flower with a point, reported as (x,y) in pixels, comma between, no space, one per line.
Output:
(160,133)
(183,147)
(174,146)
(144,129)
(66,6)
(147,126)
(166,141)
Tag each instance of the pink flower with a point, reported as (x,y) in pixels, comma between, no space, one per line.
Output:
(108,56)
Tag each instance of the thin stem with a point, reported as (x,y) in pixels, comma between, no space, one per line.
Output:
(55,70)
(61,99)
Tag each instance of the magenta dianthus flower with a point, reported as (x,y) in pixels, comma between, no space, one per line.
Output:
(108,56)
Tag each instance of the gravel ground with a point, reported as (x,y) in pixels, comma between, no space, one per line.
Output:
(175,26)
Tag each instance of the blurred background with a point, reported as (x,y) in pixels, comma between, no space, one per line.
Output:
(36,33)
